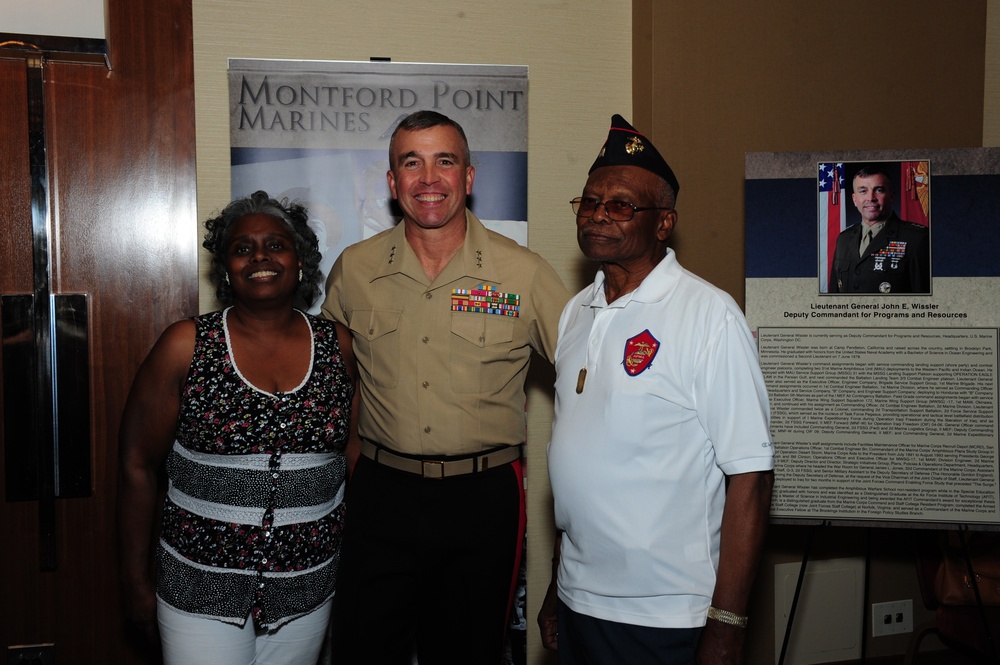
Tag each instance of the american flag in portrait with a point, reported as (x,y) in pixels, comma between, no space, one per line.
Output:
(832,215)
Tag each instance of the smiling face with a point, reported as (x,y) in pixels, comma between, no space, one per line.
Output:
(635,246)
(260,259)
(429,176)
(873,197)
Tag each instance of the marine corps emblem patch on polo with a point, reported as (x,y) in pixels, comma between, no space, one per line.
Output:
(639,353)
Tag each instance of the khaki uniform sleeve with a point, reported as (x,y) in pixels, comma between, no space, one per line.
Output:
(334,307)
(549,296)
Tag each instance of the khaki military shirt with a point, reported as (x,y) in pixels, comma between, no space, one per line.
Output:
(439,375)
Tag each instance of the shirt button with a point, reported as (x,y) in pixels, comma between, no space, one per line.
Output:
(425,339)
(371,331)
(427,430)
(426,384)
(428,295)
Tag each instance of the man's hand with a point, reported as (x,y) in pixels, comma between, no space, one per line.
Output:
(721,644)
(548,624)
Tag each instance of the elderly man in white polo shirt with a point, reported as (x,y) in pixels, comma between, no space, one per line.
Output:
(659,400)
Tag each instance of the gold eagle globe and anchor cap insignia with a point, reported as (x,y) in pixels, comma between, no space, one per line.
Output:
(634,146)
(627,147)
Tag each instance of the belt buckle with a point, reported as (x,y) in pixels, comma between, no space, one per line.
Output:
(427,465)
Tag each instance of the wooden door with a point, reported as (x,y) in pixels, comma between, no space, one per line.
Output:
(121,154)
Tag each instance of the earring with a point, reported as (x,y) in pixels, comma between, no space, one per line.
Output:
(300,274)
(227,277)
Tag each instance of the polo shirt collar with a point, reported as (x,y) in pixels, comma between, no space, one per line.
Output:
(653,288)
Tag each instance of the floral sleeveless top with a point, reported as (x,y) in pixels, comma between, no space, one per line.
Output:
(253,516)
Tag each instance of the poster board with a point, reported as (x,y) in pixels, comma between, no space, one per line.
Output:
(318,132)
(884,403)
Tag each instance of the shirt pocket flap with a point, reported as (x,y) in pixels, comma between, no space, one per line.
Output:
(371,324)
(482,329)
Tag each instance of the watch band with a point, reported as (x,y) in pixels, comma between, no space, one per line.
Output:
(724,616)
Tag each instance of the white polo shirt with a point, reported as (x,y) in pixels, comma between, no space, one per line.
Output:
(673,400)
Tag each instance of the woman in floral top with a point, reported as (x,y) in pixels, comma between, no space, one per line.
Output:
(251,410)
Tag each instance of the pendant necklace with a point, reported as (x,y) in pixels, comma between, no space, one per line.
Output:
(582,376)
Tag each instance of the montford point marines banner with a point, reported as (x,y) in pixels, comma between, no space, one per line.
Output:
(318,132)
(880,354)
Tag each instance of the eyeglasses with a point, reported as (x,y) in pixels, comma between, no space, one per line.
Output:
(618,211)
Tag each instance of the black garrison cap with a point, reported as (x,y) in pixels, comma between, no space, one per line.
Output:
(627,147)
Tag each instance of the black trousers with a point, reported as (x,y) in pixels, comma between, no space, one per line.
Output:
(427,565)
(585,640)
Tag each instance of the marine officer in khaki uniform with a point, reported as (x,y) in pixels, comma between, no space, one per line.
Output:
(444,315)
(882,254)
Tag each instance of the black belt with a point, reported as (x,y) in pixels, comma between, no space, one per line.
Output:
(440,468)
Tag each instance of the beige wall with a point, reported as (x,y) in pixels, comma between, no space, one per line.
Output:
(727,78)
(579,64)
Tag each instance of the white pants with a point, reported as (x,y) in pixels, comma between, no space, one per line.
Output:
(188,640)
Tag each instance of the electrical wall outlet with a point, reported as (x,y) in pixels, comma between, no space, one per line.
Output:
(892,618)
